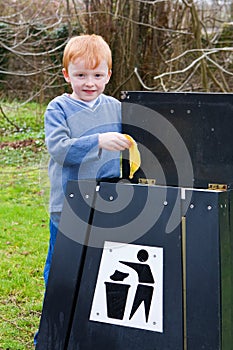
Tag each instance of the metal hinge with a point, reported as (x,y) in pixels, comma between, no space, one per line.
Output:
(217,187)
(146,181)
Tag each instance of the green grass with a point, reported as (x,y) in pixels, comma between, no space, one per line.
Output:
(24,225)
(20,121)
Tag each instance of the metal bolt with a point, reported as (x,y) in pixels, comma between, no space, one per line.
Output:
(165,203)
(71,195)
(86,196)
(191,206)
(111,198)
(209,207)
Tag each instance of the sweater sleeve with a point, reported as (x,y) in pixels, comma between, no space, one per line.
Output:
(62,147)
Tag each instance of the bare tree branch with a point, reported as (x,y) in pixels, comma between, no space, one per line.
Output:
(8,119)
(174,44)
(208,52)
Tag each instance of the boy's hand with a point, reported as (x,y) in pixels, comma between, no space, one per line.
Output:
(113,141)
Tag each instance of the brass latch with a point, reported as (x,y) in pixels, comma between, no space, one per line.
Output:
(217,187)
(146,181)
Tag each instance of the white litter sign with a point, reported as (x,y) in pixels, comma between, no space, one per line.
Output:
(129,288)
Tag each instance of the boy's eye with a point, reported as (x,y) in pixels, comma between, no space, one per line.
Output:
(98,75)
(83,75)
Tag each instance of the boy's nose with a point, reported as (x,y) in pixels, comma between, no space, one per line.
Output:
(89,81)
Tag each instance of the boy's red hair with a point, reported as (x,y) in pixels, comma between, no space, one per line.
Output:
(91,48)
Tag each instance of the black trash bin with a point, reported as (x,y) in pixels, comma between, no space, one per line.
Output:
(179,201)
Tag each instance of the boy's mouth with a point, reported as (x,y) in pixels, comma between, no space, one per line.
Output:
(89,91)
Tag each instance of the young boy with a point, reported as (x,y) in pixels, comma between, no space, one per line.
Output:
(82,129)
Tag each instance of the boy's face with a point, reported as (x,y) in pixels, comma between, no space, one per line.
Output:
(87,84)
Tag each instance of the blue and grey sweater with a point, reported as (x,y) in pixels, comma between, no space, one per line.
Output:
(71,136)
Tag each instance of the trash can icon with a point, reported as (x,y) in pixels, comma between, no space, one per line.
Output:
(116,295)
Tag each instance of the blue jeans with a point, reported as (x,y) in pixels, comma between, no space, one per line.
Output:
(53,227)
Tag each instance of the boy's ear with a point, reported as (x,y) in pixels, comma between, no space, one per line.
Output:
(66,75)
(109,75)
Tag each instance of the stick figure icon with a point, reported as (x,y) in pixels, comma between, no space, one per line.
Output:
(144,291)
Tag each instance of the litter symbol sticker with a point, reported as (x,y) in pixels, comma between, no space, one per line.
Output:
(129,288)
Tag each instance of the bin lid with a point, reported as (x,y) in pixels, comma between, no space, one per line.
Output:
(185,139)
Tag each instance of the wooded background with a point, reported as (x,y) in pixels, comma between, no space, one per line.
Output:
(161,45)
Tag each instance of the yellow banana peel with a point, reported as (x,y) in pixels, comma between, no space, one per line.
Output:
(134,156)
